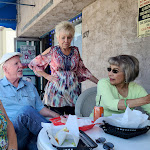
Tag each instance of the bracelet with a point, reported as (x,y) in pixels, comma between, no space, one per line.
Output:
(125,102)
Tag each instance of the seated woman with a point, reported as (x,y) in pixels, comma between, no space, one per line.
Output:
(118,91)
(8,139)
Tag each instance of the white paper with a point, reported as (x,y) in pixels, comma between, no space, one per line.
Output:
(72,137)
(72,126)
(129,119)
(83,122)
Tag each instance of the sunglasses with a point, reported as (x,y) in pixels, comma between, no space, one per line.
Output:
(106,145)
(113,70)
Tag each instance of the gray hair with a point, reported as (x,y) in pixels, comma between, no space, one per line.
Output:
(65,26)
(128,64)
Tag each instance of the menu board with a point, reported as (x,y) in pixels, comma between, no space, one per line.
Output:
(144,18)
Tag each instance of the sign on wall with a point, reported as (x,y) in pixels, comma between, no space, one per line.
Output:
(144,18)
(28,54)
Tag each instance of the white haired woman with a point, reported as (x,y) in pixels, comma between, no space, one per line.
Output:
(119,90)
(67,70)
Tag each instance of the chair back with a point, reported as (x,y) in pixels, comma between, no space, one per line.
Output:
(86,102)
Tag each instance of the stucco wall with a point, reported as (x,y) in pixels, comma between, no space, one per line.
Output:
(112,26)
(26,13)
(41,19)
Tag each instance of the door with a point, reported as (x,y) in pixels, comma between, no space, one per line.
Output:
(29,47)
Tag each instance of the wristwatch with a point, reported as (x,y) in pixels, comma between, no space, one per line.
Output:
(12,149)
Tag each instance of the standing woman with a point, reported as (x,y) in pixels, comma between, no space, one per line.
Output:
(67,71)
(8,139)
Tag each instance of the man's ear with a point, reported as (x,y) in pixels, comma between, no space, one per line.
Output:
(5,69)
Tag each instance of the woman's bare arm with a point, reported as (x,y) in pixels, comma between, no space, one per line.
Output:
(94,79)
(46,51)
(134,102)
(12,138)
(47,76)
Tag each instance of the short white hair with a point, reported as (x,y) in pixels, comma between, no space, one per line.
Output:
(65,26)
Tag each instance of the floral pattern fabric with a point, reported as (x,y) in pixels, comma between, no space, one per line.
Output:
(69,69)
(3,132)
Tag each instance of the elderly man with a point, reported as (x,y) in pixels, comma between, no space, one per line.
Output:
(22,102)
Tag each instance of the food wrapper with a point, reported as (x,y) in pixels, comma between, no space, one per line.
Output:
(84,124)
(67,139)
(129,119)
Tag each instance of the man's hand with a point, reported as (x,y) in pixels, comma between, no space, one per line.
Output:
(48,113)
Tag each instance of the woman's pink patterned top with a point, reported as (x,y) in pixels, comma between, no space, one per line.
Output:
(69,69)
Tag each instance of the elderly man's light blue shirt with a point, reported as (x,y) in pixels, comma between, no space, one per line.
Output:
(14,99)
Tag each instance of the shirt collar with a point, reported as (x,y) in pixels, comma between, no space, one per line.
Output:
(5,82)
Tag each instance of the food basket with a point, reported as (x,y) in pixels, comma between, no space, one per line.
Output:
(125,133)
(85,143)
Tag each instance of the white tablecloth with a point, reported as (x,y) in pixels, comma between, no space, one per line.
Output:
(141,142)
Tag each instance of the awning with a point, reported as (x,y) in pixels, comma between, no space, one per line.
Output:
(8,14)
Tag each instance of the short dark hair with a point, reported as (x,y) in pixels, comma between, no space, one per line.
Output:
(129,65)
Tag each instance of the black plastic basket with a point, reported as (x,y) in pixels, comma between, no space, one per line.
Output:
(125,133)
(85,143)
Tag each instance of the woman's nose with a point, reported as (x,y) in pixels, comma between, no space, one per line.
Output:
(66,39)
(110,73)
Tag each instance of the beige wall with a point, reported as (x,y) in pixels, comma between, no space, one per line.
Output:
(112,26)
(109,26)
(41,19)
(24,18)
(7,36)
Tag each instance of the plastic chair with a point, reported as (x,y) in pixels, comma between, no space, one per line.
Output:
(86,102)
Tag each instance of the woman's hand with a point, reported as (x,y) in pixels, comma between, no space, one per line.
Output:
(52,78)
(134,102)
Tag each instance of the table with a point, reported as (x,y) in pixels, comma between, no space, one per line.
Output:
(141,142)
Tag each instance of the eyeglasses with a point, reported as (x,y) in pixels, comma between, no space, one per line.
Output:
(113,70)
(106,145)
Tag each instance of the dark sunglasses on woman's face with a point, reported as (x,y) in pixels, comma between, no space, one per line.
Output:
(106,145)
(113,70)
